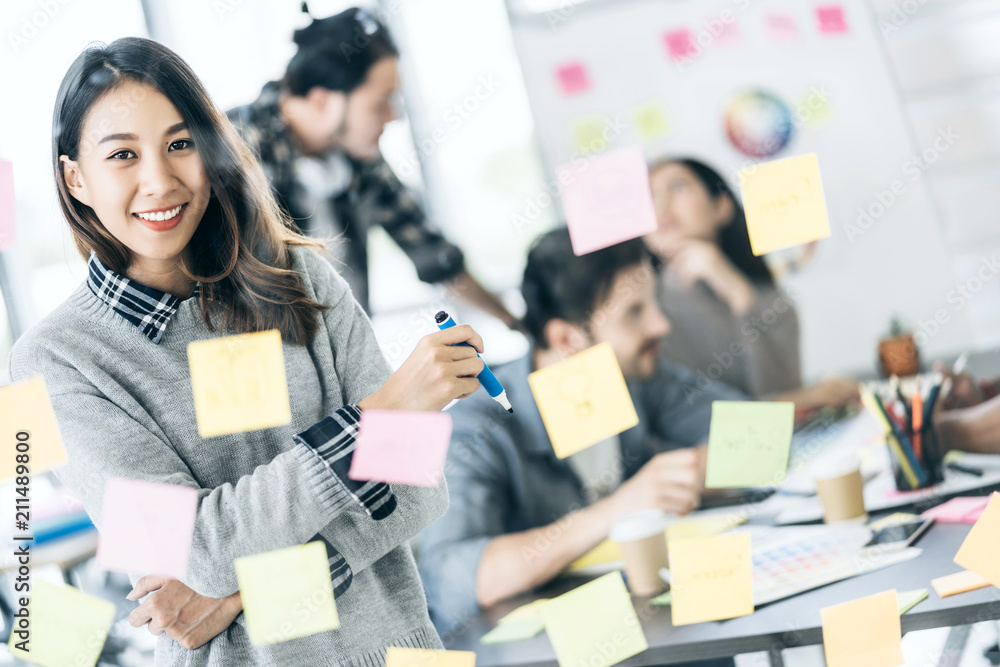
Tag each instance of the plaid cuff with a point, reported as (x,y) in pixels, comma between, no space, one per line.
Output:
(333,438)
(340,572)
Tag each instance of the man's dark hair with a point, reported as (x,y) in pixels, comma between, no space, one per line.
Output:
(559,285)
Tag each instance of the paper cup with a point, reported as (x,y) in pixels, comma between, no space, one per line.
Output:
(841,490)
(643,542)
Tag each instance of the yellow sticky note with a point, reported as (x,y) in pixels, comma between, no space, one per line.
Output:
(649,121)
(605,552)
(65,627)
(704,526)
(239,383)
(711,578)
(784,204)
(28,426)
(863,632)
(594,624)
(583,400)
(530,611)
(425,657)
(959,582)
(981,546)
(287,593)
(591,135)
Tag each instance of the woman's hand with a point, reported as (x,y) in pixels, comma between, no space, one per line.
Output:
(434,374)
(693,260)
(834,392)
(188,618)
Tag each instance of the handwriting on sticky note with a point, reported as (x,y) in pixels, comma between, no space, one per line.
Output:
(401,447)
(66,627)
(863,632)
(239,383)
(583,400)
(748,443)
(712,578)
(426,657)
(28,425)
(573,78)
(595,621)
(981,546)
(146,527)
(784,203)
(607,199)
(276,586)
(8,209)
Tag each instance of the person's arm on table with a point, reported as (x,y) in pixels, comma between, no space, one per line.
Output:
(972,429)
(512,564)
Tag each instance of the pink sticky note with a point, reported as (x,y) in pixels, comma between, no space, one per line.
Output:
(401,447)
(729,35)
(831,19)
(7,221)
(146,527)
(680,44)
(958,510)
(573,78)
(781,27)
(607,199)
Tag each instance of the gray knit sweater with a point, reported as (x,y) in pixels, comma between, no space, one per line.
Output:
(125,409)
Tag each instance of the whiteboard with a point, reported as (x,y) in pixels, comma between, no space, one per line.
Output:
(847,293)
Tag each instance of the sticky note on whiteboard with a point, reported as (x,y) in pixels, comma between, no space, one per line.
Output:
(784,203)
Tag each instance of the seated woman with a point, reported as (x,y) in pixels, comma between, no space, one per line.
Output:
(731,323)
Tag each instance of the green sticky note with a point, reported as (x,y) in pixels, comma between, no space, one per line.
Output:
(910,599)
(65,627)
(748,443)
(594,624)
(287,593)
(663,599)
(514,631)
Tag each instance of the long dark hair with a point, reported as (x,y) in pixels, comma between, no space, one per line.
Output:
(240,251)
(734,241)
(337,52)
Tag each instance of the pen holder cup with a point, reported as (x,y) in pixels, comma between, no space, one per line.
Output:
(925,450)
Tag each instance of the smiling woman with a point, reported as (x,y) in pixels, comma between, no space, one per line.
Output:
(179,227)
(126,156)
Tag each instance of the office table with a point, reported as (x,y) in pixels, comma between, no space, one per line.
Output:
(783,624)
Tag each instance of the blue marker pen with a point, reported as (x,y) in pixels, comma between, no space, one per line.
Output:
(486,377)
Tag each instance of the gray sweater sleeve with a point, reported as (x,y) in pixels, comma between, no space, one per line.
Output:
(281,504)
(359,538)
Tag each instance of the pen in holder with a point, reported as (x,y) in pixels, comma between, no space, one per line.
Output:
(906,418)
(920,449)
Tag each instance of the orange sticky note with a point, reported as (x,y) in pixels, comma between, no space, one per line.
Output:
(863,632)
(711,578)
(784,203)
(28,427)
(239,383)
(426,657)
(980,552)
(960,582)
(583,400)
